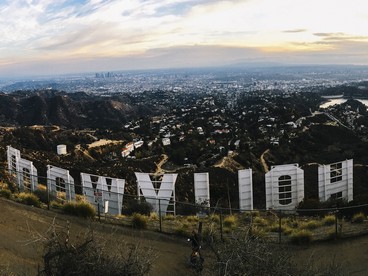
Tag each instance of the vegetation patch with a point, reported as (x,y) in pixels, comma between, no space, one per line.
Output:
(182,229)
(28,199)
(258,232)
(5,193)
(43,195)
(302,236)
(133,206)
(215,218)
(169,217)
(139,221)
(358,218)
(329,220)
(310,225)
(80,209)
(154,216)
(90,256)
(192,219)
(260,221)
(230,221)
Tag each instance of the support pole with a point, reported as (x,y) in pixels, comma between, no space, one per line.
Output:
(159,213)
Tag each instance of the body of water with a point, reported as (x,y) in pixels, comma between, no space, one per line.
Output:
(332,102)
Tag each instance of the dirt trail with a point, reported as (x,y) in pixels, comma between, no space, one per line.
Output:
(159,165)
(263,161)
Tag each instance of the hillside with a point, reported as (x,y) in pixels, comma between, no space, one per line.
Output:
(75,110)
(21,255)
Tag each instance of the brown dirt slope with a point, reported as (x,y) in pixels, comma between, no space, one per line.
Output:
(19,224)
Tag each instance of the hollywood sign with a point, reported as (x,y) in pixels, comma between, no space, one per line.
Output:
(284,185)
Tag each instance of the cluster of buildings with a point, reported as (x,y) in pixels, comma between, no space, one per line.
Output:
(130,147)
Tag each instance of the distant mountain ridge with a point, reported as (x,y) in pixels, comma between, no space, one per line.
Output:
(72,110)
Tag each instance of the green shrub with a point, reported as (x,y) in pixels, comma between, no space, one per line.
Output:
(169,217)
(81,209)
(301,236)
(329,220)
(154,216)
(358,218)
(230,221)
(79,198)
(182,229)
(210,233)
(227,230)
(254,214)
(215,218)
(5,193)
(56,205)
(134,206)
(28,199)
(310,225)
(260,221)
(192,218)
(42,194)
(291,222)
(284,228)
(139,221)
(12,186)
(257,232)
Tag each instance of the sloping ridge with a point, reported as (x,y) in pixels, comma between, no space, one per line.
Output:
(22,225)
(64,109)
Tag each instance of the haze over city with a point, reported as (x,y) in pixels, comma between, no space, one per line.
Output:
(54,37)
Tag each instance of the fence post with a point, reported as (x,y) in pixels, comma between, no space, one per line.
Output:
(280,217)
(98,211)
(251,224)
(48,197)
(336,228)
(159,213)
(221,234)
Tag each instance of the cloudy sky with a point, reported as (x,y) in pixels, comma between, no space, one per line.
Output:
(61,36)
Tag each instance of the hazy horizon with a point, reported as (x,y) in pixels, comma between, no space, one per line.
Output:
(45,37)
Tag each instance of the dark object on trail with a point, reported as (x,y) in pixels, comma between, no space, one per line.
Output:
(196,259)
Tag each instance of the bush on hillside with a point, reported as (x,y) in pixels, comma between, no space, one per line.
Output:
(329,220)
(186,209)
(5,193)
(230,221)
(89,256)
(81,209)
(358,218)
(140,207)
(28,199)
(301,237)
(43,195)
(139,221)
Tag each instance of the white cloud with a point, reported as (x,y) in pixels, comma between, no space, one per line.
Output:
(49,29)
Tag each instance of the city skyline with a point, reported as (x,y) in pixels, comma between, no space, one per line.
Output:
(56,37)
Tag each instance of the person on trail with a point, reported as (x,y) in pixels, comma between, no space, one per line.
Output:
(194,239)
(196,258)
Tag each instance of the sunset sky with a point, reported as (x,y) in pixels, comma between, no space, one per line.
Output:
(56,36)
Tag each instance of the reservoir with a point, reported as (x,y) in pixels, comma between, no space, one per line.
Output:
(332,102)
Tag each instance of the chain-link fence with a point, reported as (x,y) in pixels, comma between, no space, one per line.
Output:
(181,218)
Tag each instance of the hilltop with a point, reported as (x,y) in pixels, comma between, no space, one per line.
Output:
(69,110)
